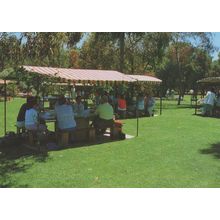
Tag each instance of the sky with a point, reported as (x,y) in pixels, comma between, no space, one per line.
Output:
(216,42)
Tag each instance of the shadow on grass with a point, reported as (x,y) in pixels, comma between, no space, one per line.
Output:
(175,106)
(99,140)
(214,150)
(13,160)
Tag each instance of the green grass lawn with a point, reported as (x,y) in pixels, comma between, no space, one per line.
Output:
(177,149)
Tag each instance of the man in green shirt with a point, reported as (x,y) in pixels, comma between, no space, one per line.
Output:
(104,113)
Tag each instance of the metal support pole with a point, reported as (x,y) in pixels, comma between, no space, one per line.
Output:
(137,115)
(196,106)
(5,105)
(161,105)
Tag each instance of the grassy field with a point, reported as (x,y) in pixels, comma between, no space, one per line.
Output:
(177,149)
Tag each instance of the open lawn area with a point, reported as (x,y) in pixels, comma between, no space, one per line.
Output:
(176,149)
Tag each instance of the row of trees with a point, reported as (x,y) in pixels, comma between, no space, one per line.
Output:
(179,59)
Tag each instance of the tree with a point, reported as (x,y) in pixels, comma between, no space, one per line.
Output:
(119,39)
(128,52)
(47,48)
(10,51)
(97,53)
(193,63)
(200,40)
(145,51)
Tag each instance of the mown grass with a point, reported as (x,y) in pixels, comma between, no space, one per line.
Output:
(176,149)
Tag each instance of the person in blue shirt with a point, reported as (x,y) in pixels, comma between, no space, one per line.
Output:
(65,116)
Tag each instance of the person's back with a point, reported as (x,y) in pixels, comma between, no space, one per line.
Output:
(122,105)
(210,98)
(31,119)
(65,116)
(105,111)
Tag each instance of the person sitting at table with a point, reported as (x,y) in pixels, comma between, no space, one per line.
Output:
(122,106)
(104,116)
(64,114)
(21,114)
(78,107)
(32,121)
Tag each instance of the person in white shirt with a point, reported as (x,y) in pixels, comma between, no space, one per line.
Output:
(209,102)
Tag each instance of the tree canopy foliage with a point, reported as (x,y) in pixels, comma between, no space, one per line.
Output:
(179,59)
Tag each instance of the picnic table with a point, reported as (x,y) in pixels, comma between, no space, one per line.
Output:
(82,123)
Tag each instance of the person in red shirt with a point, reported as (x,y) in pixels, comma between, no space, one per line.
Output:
(122,106)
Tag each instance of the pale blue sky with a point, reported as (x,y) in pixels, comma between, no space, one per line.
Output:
(216,42)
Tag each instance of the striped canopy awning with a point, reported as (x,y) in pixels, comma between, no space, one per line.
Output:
(144,78)
(80,75)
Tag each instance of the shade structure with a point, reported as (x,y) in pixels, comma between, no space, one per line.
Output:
(147,79)
(81,75)
(209,80)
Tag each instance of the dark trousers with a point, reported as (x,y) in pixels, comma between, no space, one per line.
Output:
(101,125)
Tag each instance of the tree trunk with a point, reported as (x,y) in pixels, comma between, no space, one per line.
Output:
(179,99)
(181,93)
(122,48)
(179,75)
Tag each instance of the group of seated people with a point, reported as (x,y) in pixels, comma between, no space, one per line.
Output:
(28,116)
(210,104)
(65,113)
(124,106)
